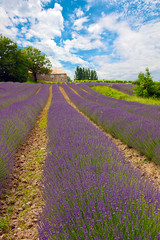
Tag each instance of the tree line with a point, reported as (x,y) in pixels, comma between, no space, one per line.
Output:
(16,63)
(85,74)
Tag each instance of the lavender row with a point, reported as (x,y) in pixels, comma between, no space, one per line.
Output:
(15,123)
(147,111)
(122,87)
(8,88)
(90,191)
(91,91)
(22,93)
(136,131)
(129,103)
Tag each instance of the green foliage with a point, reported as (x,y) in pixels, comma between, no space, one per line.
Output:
(4,226)
(37,62)
(16,63)
(145,86)
(119,95)
(106,81)
(69,79)
(157,89)
(13,63)
(109,91)
(85,74)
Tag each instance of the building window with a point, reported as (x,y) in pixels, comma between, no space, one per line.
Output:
(52,75)
(62,75)
(42,74)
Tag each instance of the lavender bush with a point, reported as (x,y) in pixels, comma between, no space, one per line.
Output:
(123,87)
(134,130)
(15,123)
(147,111)
(90,190)
(11,87)
(18,94)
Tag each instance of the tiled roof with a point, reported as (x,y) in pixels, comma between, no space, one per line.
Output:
(57,71)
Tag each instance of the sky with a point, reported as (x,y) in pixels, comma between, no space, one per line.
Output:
(117,38)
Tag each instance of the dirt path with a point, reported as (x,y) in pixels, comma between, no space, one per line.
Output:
(22,200)
(148,169)
(38,90)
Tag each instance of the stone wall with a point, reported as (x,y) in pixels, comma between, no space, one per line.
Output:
(52,77)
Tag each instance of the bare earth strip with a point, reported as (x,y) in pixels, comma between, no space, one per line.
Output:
(148,169)
(38,90)
(22,200)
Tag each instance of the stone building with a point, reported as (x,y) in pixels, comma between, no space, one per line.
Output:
(56,75)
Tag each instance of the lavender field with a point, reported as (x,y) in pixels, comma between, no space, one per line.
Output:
(90,190)
(135,124)
(123,87)
(19,107)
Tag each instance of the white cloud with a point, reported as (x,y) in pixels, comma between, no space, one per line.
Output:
(42,23)
(143,44)
(4,19)
(22,8)
(135,11)
(59,53)
(49,23)
(70,73)
(6,26)
(55,63)
(79,12)
(135,49)
(107,22)
(80,42)
(78,24)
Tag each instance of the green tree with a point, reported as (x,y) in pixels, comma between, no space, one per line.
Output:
(89,74)
(69,79)
(85,74)
(37,62)
(145,85)
(13,63)
(94,75)
(80,74)
(76,73)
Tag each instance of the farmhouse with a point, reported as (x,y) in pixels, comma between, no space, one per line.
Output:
(56,75)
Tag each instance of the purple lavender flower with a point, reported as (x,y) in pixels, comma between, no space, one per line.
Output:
(133,129)
(16,94)
(90,190)
(15,123)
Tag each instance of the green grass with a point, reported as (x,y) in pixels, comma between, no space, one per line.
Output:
(42,81)
(30,80)
(108,81)
(109,91)
(4,223)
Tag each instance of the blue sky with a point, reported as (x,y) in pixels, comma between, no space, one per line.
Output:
(117,38)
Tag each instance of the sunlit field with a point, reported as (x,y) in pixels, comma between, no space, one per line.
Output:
(90,190)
